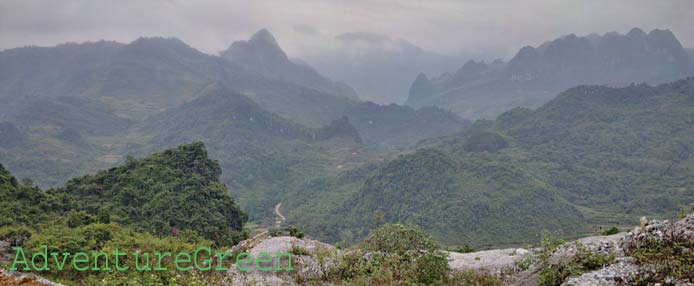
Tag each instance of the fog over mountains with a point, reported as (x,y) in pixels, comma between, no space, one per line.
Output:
(376,66)
(535,74)
(406,142)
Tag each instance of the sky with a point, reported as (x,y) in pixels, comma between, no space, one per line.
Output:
(306,27)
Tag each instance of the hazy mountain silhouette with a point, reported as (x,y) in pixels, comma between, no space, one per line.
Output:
(535,74)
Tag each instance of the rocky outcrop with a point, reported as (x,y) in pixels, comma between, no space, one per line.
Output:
(618,273)
(10,278)
(626,270)
(311,261)
(493,261)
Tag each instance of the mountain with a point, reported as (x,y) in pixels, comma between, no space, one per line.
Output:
(396,126)
(262,154)
(594,156)
(77,102)
(378,67)
(73,114)
(145,77)
(262,54)
(535,74)
(180,186)
(472,199)
(629,146)
(690,51)
(30,73)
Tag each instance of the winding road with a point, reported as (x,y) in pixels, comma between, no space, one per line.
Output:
(278,220)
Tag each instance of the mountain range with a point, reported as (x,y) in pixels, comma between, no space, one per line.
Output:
(536,74)
(585,157)
(77,108)
(593,157)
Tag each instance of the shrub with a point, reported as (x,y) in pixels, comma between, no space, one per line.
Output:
(395,254)
(465,249)
(295,232)
(473,278)
(611,231)
(15,235)
(585,260)
(670,259)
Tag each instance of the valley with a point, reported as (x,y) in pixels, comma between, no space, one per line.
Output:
(399,155)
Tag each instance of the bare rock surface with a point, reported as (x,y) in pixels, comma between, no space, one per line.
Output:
(495,260)
(619,273)
(607,245)
(11,278)
(625,271)
(311,261)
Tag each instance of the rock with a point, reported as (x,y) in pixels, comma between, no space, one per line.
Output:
(11,278)
(660,231)
(619,273)
(494,261)
(607,245)
(311,261)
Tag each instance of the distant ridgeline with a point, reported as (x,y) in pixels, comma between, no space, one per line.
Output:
(535,75)
(76,108)
(594,156)
(164,193)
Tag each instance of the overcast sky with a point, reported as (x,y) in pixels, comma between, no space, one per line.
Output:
(305,26)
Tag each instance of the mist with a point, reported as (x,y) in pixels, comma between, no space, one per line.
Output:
(308,27)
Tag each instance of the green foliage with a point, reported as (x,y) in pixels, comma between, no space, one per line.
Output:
(473,278)
(174,189)
(297,250)
(669,259)
(395,255)
(554,273)
(15,235)
(611,231)
(394,126)
(465,249)
(485,141)
(107,238)
(79,218)
(295,232)
(20,204)
(480,199)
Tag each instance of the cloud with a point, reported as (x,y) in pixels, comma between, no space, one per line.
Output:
(305,26)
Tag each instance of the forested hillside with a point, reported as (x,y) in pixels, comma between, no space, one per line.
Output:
(593,157)
(261,154)
(172,200)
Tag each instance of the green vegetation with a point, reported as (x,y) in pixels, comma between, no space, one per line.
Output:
(474,278)
(395,255)
(610,231)
(554,271)
(670,259)
(594,156)
(169,201)
(262,154)
(473,198)
(175,189)
(394,126)
(20,204)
